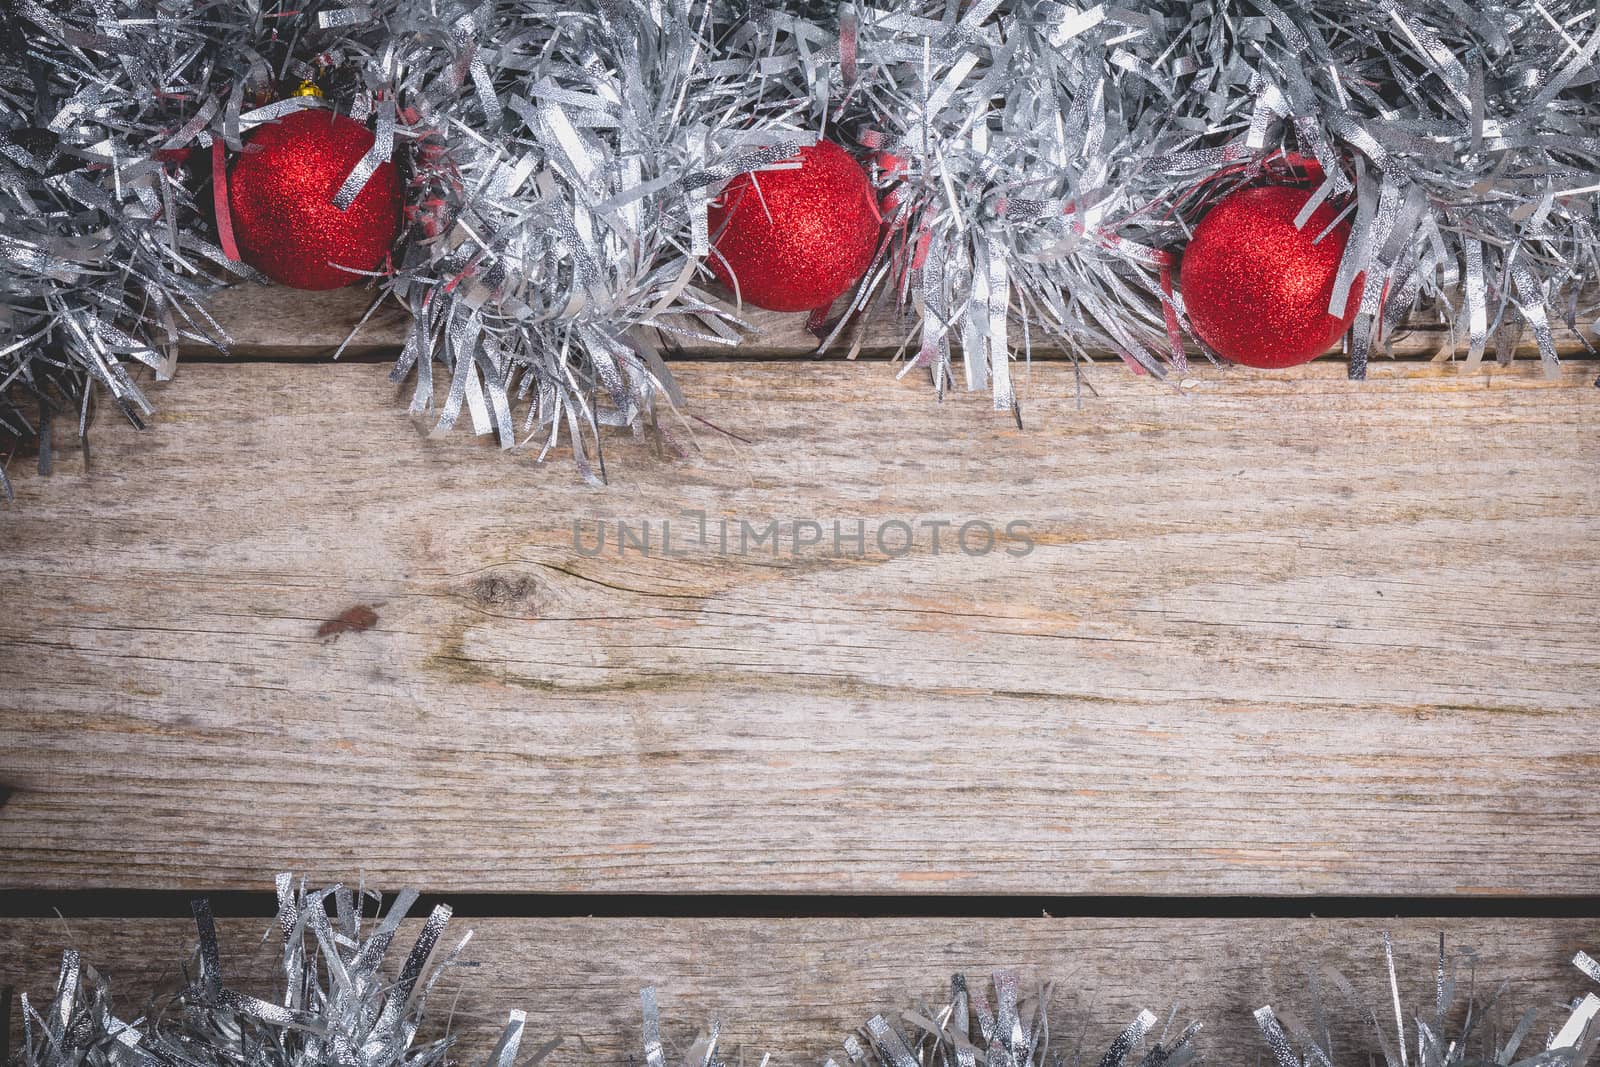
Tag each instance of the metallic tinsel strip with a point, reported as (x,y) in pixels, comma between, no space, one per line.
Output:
(1062,146)
(339,1006)
(1447,1033)
(1004,1037)
(564,187)
(97,268)
(1014,1033)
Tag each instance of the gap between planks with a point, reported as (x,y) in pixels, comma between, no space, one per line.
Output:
(813,981)
(236,903)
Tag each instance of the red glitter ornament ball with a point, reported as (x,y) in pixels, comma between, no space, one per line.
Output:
(280,199)
(1256,289)
(796,239)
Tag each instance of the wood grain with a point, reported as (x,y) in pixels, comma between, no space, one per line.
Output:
(812,982)
(281,323)
(1281,634)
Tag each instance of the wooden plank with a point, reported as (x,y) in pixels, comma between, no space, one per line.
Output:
(814,981)
(1284,634)
(286,324)
(266,320)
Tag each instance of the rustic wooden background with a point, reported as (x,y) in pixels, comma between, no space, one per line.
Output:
(1280,636)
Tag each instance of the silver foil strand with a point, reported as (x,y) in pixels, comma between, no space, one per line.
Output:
(1452,1031)
(1015,1033)
(338,1006)
(1461,178)
(562,275)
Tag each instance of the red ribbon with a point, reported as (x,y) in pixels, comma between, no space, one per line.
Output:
(219,193)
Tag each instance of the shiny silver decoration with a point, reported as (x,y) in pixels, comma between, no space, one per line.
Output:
(1014,1032)
(560,159)
(104,266)
(701,1053)
(1046,162)
(562,187)
(339,1003)
(1015,145)
(1459,1029)
(79,1027)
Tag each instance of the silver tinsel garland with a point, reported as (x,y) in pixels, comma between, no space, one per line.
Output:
(341,1004)
(338,1005)
(1456,1030)
(1042,164)
(1049,160)
(967,1030)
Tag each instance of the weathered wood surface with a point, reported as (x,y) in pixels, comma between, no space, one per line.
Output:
(795,988)
(1284,634)
(282,323)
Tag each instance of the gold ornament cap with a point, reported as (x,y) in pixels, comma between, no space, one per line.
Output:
(307,88)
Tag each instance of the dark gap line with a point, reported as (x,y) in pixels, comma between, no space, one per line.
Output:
(157,904)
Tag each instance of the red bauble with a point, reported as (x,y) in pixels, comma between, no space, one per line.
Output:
(803,239)
(280,197)
(1256,289)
